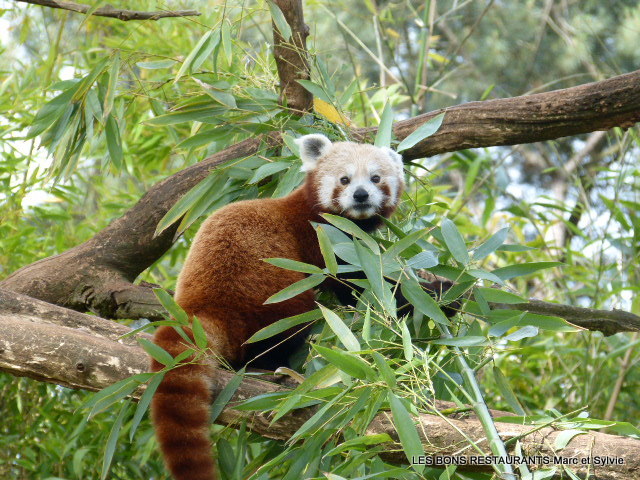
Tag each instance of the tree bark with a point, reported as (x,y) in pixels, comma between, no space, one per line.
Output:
(109,11)
(97,274)
(64,347)
(291,58)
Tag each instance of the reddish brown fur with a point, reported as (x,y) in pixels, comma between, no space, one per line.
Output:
(225,282)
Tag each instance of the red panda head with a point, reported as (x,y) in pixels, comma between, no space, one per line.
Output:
(357,181)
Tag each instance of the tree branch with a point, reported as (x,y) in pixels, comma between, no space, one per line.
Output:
(85,277)
(614,102)
(109,11)
(64,347)
(605,321)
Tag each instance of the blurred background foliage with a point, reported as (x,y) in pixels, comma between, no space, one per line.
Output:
(147,108)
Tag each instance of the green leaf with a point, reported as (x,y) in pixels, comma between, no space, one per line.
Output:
(564,437)
(294,265)
(524,332)
(156,352)
(359,442)
(51,112)
(112,441)
(225,395)
(491,245)
(185,203)
(373,270)
(506,391)
(327,250)
(227,46)
(385,129)
(423,260)
(279,20)
(511,271)
(144,402)
(348,363)
(199,54)
(484,275)
(454,241)
(407,344)
(114,71)
(466,341)
(155,65)
(407,431)
(500,296)
(316,90)
(267,170)
(114,141)
(296,289)
(284,325)
(423,131)
(422,301)
(341,330)
(406,242)
(199,335)
(387,373)
(351,228)
(171,306)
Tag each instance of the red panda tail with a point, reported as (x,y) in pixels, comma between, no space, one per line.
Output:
(180,411)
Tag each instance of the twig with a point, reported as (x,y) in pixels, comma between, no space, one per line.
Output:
(109,11)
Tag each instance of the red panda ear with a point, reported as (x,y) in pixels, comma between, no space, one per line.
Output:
(312,147)
(396,158)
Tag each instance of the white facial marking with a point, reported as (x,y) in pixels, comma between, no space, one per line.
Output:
(325,190)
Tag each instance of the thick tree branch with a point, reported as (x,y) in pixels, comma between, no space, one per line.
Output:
(291,57)
(86,276)
(109,11)
(605,321)
(614,102)
(64,347)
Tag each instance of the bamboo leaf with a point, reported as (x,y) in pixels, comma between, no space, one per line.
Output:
(506,391)
(225,395)
(407,431)
(512,271)
(296,289)
(491,244)
(423,131)
(385,129)
(351,228)
(279,20)
(293,265)
(156,352)
(284,325)
(348,363)
(341,330)
(316,90)
(422,301)
(112,441)
(327,251)
(454,241)
(144,402)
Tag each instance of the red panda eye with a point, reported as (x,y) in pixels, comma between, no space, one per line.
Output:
(344,180)
(375,179)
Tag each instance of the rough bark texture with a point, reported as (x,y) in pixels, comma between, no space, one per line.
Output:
(53,344)
(109,11)
(291,57)
(614,102)
(96,275)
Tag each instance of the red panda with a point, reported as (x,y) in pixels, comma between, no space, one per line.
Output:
(225,282)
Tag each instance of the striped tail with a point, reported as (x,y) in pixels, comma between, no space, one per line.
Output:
(180,411)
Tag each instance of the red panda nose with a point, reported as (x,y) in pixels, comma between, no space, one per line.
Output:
(360,195)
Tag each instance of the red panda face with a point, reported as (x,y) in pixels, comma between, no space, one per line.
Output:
(353,180)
